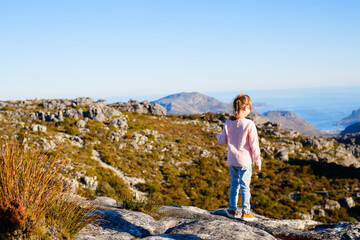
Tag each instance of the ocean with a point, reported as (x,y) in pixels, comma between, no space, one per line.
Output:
(322,107)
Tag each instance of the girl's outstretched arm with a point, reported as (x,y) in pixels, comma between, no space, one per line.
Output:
(222,138)
(254,144)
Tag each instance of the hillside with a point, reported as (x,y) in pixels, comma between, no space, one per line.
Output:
(192,103)
(176,158)
(353,128)
(290,120)
(354,117)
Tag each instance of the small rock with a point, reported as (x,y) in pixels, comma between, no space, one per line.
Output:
(305,216)
(205,153)
(81,123)
(89,182)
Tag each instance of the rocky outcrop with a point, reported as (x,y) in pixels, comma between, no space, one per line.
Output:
(100,112)
(58,109)
(62,104)
(351,143)
(187,222)
(144,107)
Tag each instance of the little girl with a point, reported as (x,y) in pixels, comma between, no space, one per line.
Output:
(241,137)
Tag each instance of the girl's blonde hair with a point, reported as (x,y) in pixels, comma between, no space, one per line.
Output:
(239,103)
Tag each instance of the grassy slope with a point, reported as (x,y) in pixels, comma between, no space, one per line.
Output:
(171,165)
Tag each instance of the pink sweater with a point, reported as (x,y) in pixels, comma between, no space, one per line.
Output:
(243,143)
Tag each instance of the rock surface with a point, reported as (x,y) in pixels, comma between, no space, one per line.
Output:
(187,222)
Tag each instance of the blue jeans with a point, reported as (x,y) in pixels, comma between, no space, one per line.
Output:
(240,178)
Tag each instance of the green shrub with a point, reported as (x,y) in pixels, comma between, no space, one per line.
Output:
(148,205)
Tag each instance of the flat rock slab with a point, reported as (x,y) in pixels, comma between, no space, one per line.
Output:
(308,229)
(192,223)
(217,229)
(173,237)
(121,224)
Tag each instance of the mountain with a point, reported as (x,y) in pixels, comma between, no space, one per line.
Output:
(353,128)
(354,117)
(290,120)
(192,103)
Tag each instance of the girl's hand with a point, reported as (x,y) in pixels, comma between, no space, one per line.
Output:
(258,168)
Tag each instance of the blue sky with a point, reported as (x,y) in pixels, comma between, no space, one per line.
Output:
(100,49)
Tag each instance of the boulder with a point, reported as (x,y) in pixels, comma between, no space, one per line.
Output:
(119,123)
(38,128)
(96,114)
(83,101)
(283,154)
(100,111)
(332,204)
(312,142)
(74,113)
(81,123)
(347,202)
(157,109)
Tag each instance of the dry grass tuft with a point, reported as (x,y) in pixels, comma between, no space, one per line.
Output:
(33,196)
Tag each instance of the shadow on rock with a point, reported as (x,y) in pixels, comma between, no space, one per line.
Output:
(115,221)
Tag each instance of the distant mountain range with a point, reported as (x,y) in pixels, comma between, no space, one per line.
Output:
(194,102)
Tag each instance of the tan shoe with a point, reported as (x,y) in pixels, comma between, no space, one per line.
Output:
(247,217)
(230,213)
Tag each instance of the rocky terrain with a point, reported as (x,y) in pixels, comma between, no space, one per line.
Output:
(144,107)
(134,149)
(188,222)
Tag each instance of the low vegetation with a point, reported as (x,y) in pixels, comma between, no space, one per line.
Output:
(178,159)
